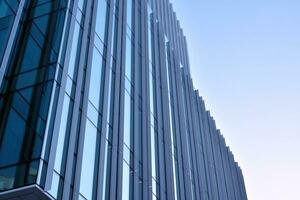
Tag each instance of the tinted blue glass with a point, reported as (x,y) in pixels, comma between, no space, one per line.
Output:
(125,182)
(129,13)
(92,113)
(101,18)
(29,61)
(96,75)
(153,153)
(106,168)
(13,139)
(4,9)
(81,4)
(88,161)
(74,47)
(127,115)
(62,133)
(54,186)
(151,96)
(128,58)
(7,178)
(42,23)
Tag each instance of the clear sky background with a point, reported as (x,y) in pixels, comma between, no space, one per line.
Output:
(245,60)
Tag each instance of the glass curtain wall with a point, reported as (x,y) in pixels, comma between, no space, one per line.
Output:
(27,89)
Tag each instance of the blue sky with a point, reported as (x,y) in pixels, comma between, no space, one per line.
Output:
(245,60)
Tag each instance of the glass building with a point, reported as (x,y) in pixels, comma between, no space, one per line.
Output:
(97,102)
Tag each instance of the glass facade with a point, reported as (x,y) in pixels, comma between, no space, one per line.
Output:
(97,102)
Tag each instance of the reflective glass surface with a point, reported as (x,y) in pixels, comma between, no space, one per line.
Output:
(101,18)
(62,134)
(88,161)
(96,76)
(74,50)
(127,119)
(125,183)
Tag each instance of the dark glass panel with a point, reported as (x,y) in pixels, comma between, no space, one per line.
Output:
(88,161)
(5,22)
(13,4)
(42,23)
(95,80)
(26,95)
(30,62)
(42,9)
(12,177)
(3,35)
(37,35)
(45,100)
(12,139)
(20,105)
(4,9)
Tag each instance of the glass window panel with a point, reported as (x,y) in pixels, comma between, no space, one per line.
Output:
(74,47)
(99,44)
(101,18)
(69,86)
(13,4)
(79,15)
(106,169)
(151,93)
(20,105)
(129,13)
(95,81)
(26,79)
(37,35)
(154,197)
(3,35)
(110,80)
(29,61)
(54,186)
(127,85)
(128,58)
(62,133)
(81,4)
(153,153)
(125,182)
(92,113)
(126,154)
(4,9)
(42,23)
(127,116)
(43,9)
(154,191)
(5,22)
(12,139)
(88,161)
(81,197)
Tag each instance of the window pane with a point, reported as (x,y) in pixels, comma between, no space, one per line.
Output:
(74,46)
(129,12)
(4,9)
(54,185)
(128,58)
(12,140)
(30,62)
(153,153)
(101,18)
(95,82)
(126,181)
(88,161)
(127,115)
(62,133)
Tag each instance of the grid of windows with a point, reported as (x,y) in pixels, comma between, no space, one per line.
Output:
(8,11)
(97,103)
(26,91)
